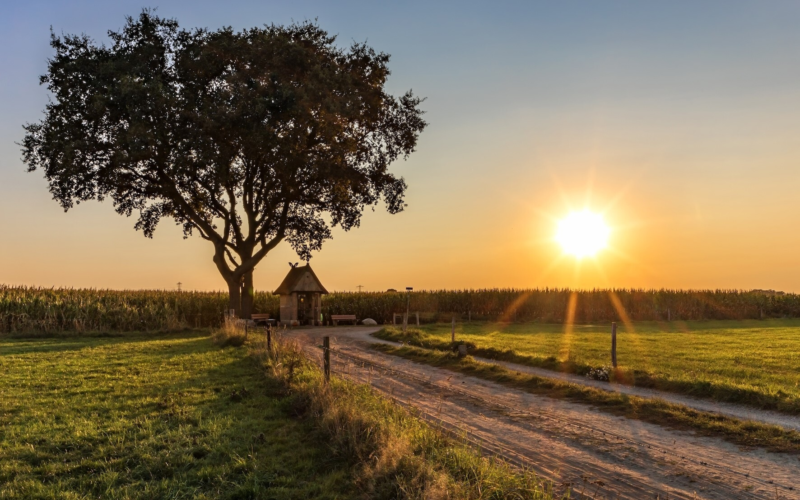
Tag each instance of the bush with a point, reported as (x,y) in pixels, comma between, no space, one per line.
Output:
(602,373)
(231,333)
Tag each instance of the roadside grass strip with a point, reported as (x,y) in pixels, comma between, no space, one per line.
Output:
(656,411)
(394,453)
(756,363)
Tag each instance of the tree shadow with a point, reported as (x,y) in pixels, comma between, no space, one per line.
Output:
(212,415)
(16,346)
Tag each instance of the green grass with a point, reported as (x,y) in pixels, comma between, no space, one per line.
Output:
(655,411)
(751,362)
(177,416)
(142,417)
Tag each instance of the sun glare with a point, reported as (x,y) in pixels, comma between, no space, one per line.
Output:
(582,234)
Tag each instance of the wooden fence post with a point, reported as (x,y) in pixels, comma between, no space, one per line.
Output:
(269,338)
(417,318)
(453,330)
(614,344)
(326,348)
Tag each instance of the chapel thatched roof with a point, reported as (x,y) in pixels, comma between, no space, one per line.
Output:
(300,279)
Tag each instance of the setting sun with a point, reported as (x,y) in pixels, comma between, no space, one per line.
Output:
(582,234)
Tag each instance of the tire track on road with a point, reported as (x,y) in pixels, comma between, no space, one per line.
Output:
(570,444)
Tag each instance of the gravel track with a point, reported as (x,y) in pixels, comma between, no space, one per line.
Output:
(573,445)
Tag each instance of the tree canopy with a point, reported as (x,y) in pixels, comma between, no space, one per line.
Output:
(246,138)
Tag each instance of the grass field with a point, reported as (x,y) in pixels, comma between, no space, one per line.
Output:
(178,417)
(754,362)
(169,417)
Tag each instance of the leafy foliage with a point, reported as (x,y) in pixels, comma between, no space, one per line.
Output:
(247,138)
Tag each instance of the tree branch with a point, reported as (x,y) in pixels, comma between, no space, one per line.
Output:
(230,256)
(192,214)
(237,230)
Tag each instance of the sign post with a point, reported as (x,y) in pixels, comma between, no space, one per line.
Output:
(614,344)
(326,348)
(408,307)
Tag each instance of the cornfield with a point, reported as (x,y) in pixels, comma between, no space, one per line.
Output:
(553,305)
(66,309)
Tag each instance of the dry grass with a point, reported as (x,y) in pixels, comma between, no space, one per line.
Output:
(396,455)
(231,333)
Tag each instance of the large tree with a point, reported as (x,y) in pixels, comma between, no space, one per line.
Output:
(246,138)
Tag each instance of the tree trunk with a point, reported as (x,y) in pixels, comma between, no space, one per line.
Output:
(248,294)
(240,296)
(235,298)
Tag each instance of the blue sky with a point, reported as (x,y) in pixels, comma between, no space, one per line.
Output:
(681,119)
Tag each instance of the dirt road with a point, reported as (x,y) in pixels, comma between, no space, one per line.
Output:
(575,446)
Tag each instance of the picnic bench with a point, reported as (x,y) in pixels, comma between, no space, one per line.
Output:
(336,318)
(260,318)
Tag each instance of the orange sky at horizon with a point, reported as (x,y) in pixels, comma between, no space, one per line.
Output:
(654,243)
(679,123)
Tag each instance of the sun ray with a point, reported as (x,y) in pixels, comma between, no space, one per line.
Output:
(602,273)
(623,315)
(561,191)
(549,268)
(630,331)
(619,253)
(566,343)
(622,192)
(508,314)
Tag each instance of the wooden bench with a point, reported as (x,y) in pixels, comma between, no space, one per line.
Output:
(336,318)
(260,318)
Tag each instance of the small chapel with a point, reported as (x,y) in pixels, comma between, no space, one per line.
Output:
(301,297)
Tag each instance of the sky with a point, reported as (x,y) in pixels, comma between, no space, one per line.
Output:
(678,121)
